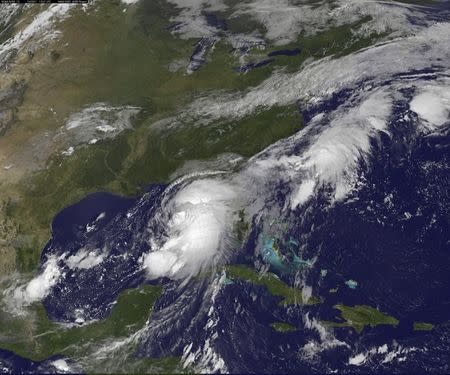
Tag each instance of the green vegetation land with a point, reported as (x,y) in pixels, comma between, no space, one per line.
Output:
(422,326)
(40,338)
(283,327)
(336,42)
(360,316)
(276,287)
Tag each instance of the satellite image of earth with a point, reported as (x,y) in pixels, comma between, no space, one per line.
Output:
(223,186)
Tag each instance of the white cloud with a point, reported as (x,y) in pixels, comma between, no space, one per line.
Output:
(98,121)
(432,103)
(40,286)
(334,155)
(304,192)
(85,259)
(198,223)
(334,147)
(327,339)
(191,22)
(61,365)
(320,79)
(7,14)
(382,355)
(357,360)
(37,288)
(285,20)
(41,27)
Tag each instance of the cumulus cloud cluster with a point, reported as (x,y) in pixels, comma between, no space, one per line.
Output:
(41,27)
(191,22)
(319,80)
(285,20)
(18,297)
(198,232)
(36,289)
(382,354)
(96,122)
(432,103)
(333,153)
(85,259)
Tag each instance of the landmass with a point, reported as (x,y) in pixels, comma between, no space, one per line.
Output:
(275,286)
(360,316)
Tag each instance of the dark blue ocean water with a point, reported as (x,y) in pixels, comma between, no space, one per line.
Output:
(89,293)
